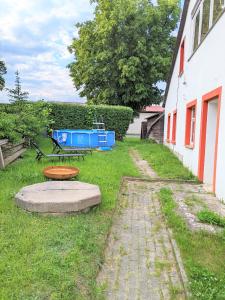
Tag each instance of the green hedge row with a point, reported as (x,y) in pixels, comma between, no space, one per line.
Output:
(74,116)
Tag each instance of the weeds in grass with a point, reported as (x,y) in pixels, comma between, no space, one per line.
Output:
(210,217)
(203,253)
(193,201)
(161,266)
(175,292)
(123,251)
(148,263)
(157,226)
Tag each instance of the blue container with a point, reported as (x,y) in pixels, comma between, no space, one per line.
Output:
(84,138)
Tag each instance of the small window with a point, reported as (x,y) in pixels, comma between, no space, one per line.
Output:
(182,58)
(168,128)
(196,32)
(218,7)
(205,18)
(174,129)
(190,124)
(192,133)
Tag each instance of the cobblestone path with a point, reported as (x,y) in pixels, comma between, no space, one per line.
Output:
(191,198)
(143,166)
(142,261)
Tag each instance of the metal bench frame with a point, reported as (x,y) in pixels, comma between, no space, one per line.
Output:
(58,148)
(41,154)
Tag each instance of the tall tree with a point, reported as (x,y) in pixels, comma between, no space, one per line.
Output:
(17,94)
(2,72)
(123,53)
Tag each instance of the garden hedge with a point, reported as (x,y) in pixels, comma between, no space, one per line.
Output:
(75,116)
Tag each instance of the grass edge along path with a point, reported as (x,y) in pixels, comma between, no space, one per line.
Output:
(161,159)
(57,257)
(203,254)
(209,217)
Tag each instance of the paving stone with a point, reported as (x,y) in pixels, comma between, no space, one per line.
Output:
(143,166)
(136,275)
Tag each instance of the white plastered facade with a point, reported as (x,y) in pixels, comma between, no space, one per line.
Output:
(204,71)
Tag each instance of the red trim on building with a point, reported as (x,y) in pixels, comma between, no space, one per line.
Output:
(168,128)
(174,129)
(190,127)
(182,52)
(205,101)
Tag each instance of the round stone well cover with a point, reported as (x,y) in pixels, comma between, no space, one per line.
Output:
(58,197)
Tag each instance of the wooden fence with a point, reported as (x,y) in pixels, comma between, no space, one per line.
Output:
(10,152)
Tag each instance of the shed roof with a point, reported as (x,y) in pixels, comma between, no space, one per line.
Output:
(153,109)
(155,115)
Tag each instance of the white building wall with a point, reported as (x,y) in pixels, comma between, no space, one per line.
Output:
(204,71)
(135,127)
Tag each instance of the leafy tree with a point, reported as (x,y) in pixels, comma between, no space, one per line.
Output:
(17,94)
(24,119)
(2,72)
(123,53)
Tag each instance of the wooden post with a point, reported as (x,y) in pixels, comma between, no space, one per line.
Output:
(143,130)
(2,163)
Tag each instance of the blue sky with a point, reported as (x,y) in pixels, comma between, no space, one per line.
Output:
(34,35)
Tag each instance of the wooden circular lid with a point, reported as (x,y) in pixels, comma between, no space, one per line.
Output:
(60,172)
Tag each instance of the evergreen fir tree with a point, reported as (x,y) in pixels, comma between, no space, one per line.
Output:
(2,72)
(17,94)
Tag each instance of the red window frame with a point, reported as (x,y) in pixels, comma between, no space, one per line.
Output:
(182,48)
(217,93)
(174,129)
(168,127)
(190,124)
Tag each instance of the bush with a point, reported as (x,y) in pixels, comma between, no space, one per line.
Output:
(74,116)
(25,119)
(210,217)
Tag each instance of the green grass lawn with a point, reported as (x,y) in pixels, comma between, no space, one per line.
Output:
(56,257)
(203,253)
(161,159)
(59,257)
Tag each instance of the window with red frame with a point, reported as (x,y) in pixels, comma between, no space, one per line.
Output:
(182,57)
(168,128)
(174,129)
(190,124)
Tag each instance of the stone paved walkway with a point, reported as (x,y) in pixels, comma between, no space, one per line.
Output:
(141,262)
(142,164)
(190,198)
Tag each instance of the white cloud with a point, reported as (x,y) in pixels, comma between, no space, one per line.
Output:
(34,39)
